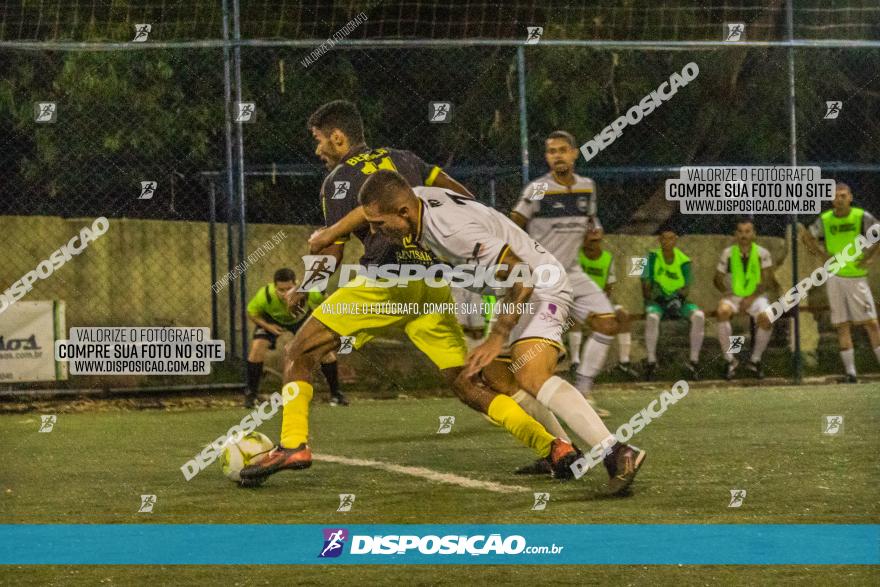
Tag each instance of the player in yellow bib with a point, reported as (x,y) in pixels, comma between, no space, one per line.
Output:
(849,294)
(742,276)
(666,281)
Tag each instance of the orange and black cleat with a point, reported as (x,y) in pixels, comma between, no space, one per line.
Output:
(279,458)
(562,456)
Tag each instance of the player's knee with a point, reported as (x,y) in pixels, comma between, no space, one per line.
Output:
(606,325)
(723,313)
(763,321)
(622,318)
(532,379)
(698,316)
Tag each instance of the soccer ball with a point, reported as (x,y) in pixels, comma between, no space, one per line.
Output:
(252,448)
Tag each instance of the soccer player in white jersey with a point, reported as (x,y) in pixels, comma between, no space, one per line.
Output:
(461,231)
(742,276)
(557,210)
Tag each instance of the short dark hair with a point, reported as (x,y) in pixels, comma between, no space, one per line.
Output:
(339,114)
(381,187)
(564,135)
(744,220)
(284,274)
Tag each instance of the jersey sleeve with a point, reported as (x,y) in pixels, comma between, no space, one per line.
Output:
(339,195)
(686,273)
(612,274)
(473,244)
(868,221)
(766,259)
(724,261)
(817,230)
(648,270)
(427,172)
(527,206)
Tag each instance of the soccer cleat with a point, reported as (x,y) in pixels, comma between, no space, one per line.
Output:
(622,464)
(601,412)
(338,399)
(627,370)
(539,467)
(279,458)
(650,368)
(572,369)
(562,455)
(849,378)
(730,369)
(693,370)
(755,369)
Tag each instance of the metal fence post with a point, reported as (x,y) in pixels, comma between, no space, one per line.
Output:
(242,218)
(797,363)
(230,182)
(523,124)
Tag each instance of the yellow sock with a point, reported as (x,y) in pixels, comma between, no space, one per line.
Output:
(523,427)
(295,417)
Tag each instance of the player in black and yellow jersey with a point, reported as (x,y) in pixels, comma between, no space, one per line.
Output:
(338,132)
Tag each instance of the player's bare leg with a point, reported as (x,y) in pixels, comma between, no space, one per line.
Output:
(847,354)
(302,356)
(537,364)
(763,332)
(872,327)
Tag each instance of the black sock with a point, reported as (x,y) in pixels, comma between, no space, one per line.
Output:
(254,373)
(331,374)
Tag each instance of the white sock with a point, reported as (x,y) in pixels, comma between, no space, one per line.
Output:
(762,339)
(849,361)
(566,402)
(593,354)
(583,383)
(624,342)
(698,322)
(574,345)
(652,333)
(877,353)
(539,412)
(724,333)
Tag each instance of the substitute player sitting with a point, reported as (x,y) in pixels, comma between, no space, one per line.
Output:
(742,276)
(849,294)
(463,231)
(598,264)
(268,310)
(666,281)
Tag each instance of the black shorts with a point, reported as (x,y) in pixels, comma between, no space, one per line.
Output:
(260,332)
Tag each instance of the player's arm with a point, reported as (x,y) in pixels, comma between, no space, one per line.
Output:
(647,273)
(811,242)
(719,282)
(686,273)
(337,233)
(870,252)
(519,219)
(443,180)
(511,310)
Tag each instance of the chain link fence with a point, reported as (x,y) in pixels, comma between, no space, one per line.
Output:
(143,134)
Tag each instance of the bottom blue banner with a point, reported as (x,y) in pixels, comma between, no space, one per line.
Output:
(629,544)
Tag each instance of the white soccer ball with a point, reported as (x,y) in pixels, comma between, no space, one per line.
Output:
(252,448)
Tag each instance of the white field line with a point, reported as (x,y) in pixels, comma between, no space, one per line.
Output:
(424,473)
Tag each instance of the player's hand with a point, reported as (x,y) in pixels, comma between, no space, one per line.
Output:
(482,355)
(320,240)
(295,301)
(865,261)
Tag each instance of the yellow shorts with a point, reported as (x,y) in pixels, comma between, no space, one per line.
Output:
(363,310)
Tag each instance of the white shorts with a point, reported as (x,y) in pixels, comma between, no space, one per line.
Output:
(588,298)
(850,299)
(547,321)
(759,304)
